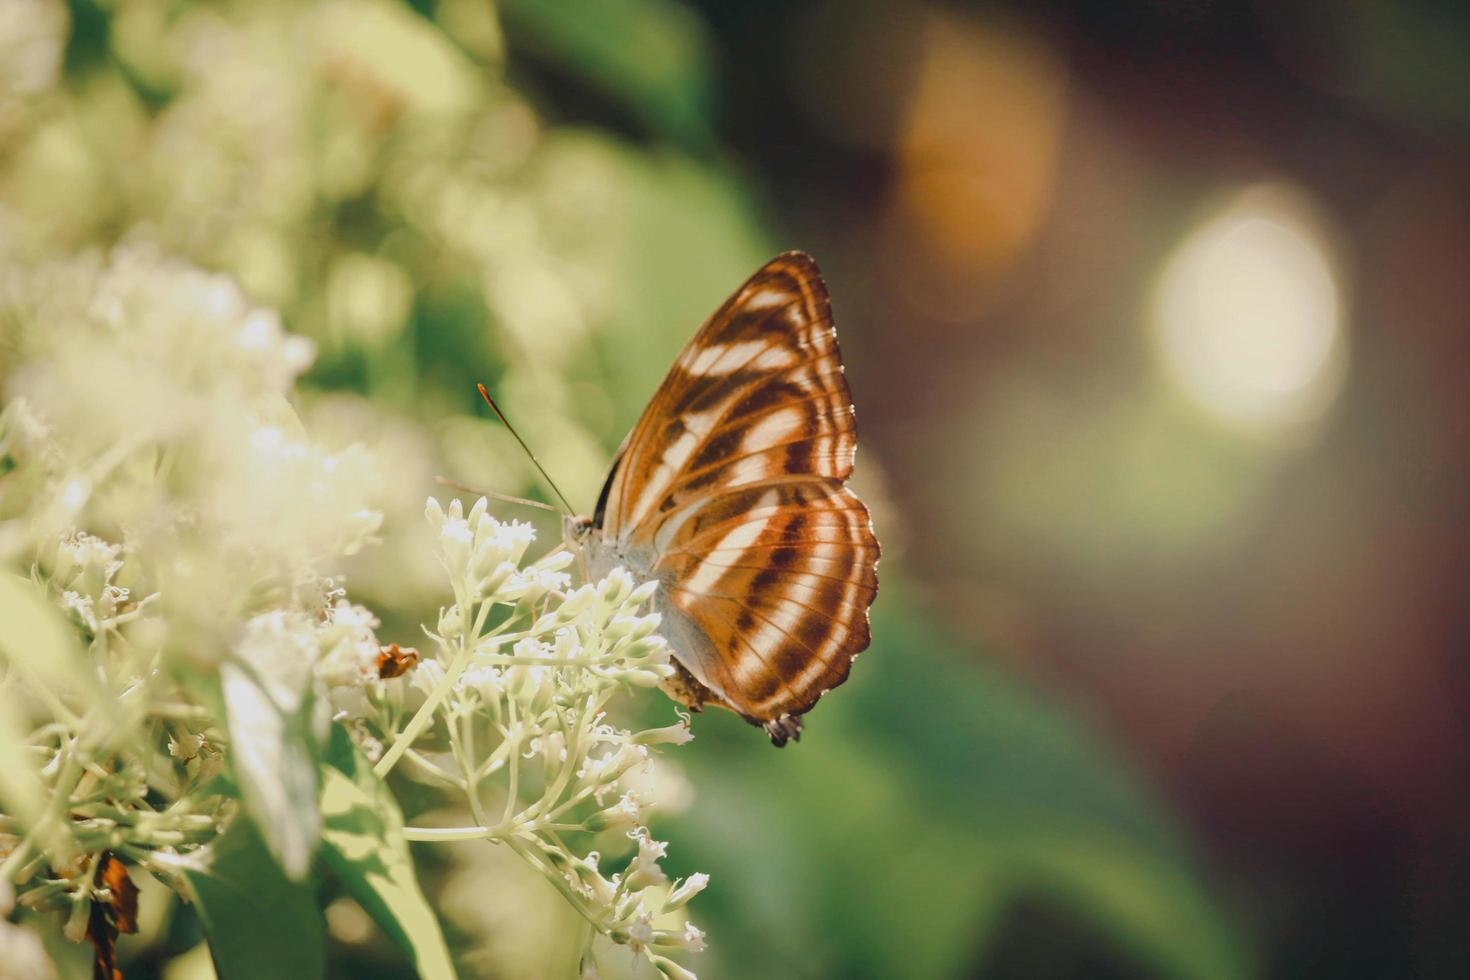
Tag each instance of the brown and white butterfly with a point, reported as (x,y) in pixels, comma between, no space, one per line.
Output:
(731,493)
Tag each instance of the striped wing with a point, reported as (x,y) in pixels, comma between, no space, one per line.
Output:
(732,483)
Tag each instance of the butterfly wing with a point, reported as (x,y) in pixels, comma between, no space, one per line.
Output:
(732,484)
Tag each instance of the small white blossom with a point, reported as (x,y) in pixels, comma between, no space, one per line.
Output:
(644,870)
(640,933)
(692,938)
(348,646)
(671,735)
(539,664)
(185,746)
(686,889)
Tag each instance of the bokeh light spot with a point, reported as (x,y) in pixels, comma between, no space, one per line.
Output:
(1247,316)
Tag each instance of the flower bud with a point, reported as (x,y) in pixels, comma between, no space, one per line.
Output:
(670,735)
(647,676)
(627,812)
(644,870)
(621,626)
(692,938)
(639,933)
(615,588)
(686,889)
(451,622)
(455,542)
(646,626)
(75,929)
(576,603)
(650,649)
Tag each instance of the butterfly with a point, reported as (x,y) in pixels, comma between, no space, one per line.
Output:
(731,493)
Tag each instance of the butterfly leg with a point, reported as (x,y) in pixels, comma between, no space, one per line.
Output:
(783,729)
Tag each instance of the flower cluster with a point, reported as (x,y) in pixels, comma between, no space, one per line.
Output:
(176,532)
(181,520)
(514,717)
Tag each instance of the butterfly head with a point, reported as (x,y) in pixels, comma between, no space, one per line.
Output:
(576,530)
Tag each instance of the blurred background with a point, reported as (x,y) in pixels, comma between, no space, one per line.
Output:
(1155,315)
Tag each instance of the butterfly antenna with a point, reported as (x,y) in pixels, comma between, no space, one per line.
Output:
(567,508)
(445,481)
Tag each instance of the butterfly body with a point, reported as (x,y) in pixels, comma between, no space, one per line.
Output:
(731,493)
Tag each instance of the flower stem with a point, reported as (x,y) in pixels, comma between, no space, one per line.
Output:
(425,714)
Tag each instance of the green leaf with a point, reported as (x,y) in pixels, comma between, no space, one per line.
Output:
(20,788)
(259,922)
(39,653)
(650,55)
(927,797)
(272,752)
(37,643)
(362,837)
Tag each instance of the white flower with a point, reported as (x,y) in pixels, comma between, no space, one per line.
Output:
(640,933)
(456,541)
(279,356)
(540,675)
(487,682)
(85,563)
(349,648)
(671,735)
(186,746)
(616,587)
(427,677)
(692,938)
(686,889)
(661,785)
(644,870)
(627,812)
(534,583)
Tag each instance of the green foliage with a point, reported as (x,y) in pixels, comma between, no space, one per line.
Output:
(259,922)
(369,170)
(363,844)
(33,643)
(649,56)
(274,761)
(924,802)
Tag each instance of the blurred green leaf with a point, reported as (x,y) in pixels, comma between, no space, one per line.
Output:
(649,55)
(1146,901)
(20,788)
(928,795)
(37,644)
(362,837)
(272,753)
(38,651)
(259,922)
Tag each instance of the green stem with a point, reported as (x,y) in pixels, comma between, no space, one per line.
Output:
(443,834)
(425,714)
(66,782)
(431,772)
(513,759)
